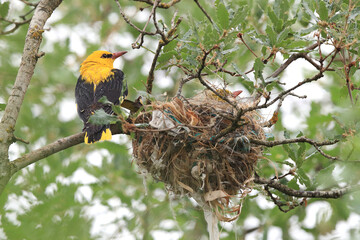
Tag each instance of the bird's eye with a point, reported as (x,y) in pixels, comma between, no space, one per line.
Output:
(106,55)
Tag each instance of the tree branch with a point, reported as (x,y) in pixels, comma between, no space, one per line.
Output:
(52,148)
(294,140)
(46,151)
(337,193)
(150,78)
(28,61)
(26,70)
(294,57)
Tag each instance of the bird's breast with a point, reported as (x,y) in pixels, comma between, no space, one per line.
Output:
(96,74)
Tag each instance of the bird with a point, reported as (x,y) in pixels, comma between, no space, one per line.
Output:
(99,78)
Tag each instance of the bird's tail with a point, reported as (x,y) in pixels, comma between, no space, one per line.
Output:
(95,133)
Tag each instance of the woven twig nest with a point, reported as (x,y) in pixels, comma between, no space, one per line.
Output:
(182,148)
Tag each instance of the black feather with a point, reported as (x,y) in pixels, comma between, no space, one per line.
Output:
(113,87)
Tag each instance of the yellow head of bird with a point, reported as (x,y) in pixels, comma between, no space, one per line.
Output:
(98,65)
(104,58)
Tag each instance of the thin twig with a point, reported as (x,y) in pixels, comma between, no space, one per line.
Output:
(24,15)
(185,80)
(240,36)
(280,204)
(161,5)
(267,104)
(127,20)
(298,140)
(324,154)
(203,82)
(164,41)
(29,3)
(16,25)
(203,10)
(137,45)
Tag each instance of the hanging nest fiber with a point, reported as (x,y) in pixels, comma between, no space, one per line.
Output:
(183,147)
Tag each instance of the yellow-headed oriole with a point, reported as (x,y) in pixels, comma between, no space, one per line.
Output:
(98,78)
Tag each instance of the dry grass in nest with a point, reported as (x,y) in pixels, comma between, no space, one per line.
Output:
(178,148)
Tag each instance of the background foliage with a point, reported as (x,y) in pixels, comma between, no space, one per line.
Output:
(87,192)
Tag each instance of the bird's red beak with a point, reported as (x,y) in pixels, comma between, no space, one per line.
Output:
(118,54)
(236,93)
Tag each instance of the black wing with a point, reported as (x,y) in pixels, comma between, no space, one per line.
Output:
(84,95)
(114,88)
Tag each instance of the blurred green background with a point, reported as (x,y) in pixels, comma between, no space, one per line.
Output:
(97,192)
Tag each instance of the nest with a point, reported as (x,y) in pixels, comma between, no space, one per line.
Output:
(185,147)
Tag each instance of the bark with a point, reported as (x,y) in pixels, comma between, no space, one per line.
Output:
(26,70)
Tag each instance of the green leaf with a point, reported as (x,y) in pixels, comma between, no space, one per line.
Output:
(284,8)
(170,46)
(2,106)
(166,56)
(259,67)
(118,110)
(293,184)
(278,23)
(308,10)
(303,177)
(222,16)
(289,164)
(286,134)
(100,117)
(323,11)
(297,44)
(238,71)
(274,83)
(271,35)
(146,95)
(325,178)
(238,17)
(291,153)
(354,13)
(301,150)
(227,51)
(4,9)
(187,35)
(246,82)
(337,17)
(105,101)
(283,35)
(308,30)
